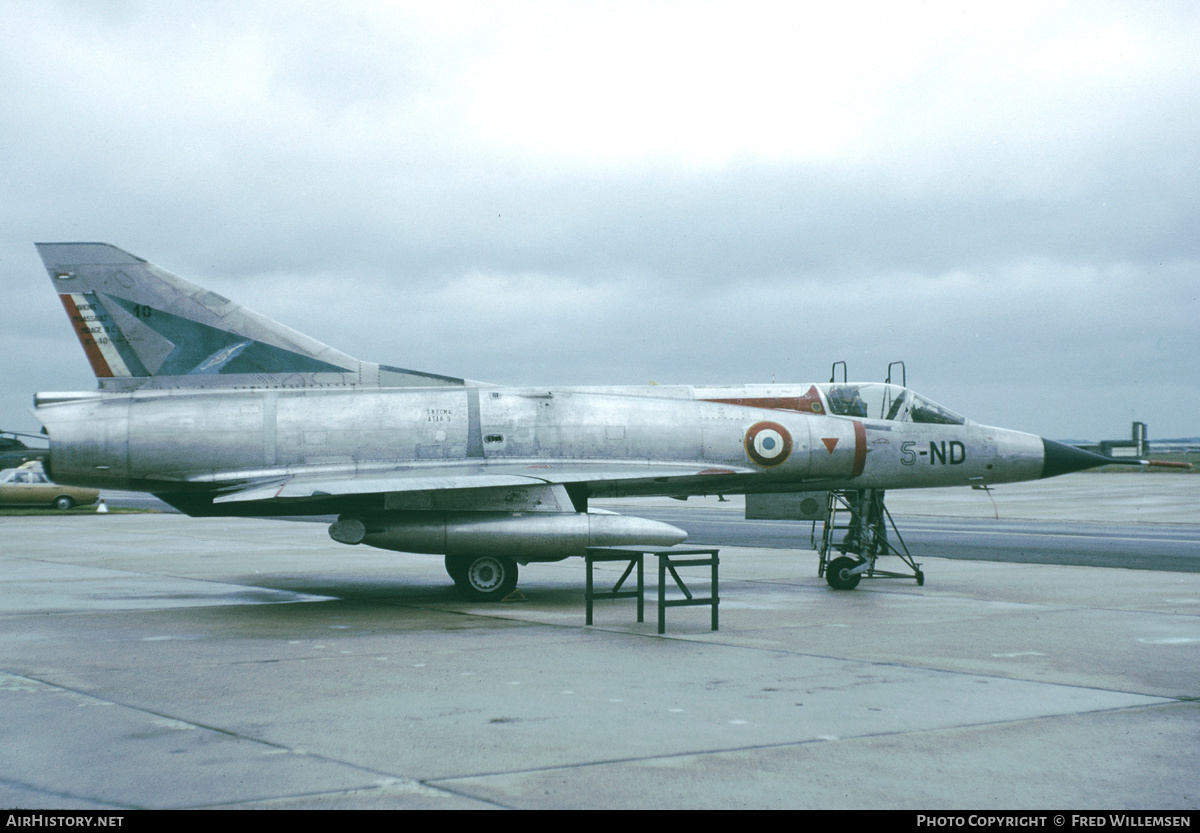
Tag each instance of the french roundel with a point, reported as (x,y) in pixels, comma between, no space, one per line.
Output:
(768,443)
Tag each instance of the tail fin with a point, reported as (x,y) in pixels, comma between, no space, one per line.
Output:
(141,326)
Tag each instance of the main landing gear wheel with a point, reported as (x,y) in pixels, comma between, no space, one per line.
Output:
(838,575)
(484,578)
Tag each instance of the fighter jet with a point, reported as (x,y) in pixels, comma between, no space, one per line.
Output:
(220,411)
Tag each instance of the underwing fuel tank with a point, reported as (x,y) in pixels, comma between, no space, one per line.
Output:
(523,537)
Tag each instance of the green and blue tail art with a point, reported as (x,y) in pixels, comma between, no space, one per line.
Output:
(142,326)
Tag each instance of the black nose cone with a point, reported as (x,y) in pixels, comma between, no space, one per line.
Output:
(1061,458)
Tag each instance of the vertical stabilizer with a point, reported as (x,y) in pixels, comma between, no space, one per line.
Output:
(141,326)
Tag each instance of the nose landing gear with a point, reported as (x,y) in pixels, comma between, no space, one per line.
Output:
(861,515)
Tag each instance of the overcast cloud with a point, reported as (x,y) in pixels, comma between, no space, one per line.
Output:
(1003,196)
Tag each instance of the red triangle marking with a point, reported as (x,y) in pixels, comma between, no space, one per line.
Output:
(830,443)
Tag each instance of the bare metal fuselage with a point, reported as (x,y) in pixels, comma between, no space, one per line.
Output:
(198,442)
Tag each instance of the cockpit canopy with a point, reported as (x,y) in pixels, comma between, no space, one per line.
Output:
(880,400)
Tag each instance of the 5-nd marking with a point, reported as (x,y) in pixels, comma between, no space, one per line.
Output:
(939,453)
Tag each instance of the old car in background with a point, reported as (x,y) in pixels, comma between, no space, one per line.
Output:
(28,485)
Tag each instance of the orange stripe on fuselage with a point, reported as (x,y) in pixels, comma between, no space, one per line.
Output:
(83,331)
(860,449)
(809,403)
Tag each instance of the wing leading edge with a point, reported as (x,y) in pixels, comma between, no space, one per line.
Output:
(466,479)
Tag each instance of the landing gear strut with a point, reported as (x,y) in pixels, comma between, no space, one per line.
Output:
(861,515)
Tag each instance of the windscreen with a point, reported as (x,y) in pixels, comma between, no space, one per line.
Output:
(922,410)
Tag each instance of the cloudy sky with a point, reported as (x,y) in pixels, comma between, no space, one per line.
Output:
(1004,196)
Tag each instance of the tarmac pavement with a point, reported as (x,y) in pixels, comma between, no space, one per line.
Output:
(158,661)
